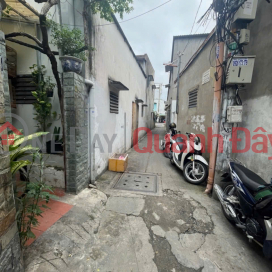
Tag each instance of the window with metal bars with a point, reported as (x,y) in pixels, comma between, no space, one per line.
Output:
(24,86)
(114,103)
(193,99)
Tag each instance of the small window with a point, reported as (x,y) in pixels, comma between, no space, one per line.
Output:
(143,111)
(24,86)
(114,103)
(193,98)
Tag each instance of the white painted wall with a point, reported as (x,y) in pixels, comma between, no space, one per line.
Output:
(173,112)
(113,58)
(158,99)
(160,106)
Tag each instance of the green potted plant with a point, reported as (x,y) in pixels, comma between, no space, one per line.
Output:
(72,44)
(44,90)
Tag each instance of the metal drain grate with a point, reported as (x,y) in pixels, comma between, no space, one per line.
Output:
(138,182)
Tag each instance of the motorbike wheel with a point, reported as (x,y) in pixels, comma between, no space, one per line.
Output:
(227,191)
(172,161)
(195,178)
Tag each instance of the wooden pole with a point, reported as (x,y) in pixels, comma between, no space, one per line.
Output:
(216,113)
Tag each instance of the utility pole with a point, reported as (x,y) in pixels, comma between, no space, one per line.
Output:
(235,38)
(216,109)
(160,86)
(177,106)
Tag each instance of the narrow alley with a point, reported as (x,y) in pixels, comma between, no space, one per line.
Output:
(135,136)
(177,229)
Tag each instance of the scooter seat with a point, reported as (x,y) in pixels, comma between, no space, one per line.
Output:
(252,181)
(179,140)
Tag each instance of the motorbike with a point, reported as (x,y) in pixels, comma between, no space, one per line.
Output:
(166,143)
(246,201)
(187,156)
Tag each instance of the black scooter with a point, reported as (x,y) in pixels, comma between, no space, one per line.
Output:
(247,203)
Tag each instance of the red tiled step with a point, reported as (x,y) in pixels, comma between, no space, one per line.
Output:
(49,217)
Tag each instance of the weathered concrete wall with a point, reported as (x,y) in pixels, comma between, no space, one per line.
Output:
(198,119)
(52,176)
(179,44)
(10,254)
(257,96)
(76,131)
(5,79)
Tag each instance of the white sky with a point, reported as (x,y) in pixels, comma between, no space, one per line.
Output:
(153,33)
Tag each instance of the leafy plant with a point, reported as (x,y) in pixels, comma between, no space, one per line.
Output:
(6,12)
(28,200)
(71,42)
(108,7)
(18,152)
(29,203)
(43,106)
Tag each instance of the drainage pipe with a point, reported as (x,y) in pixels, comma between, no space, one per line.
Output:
(89,84)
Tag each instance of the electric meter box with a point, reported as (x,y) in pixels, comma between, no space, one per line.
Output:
(240,70)
(234,114)
(247,12)
(244,36)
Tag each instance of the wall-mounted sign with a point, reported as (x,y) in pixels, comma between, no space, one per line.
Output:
(217,51)
(206,77)
(240,62)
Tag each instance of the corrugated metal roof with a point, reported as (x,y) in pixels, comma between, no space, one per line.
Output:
(21,11)
(191,35)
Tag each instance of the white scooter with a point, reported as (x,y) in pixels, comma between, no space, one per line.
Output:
(189,158)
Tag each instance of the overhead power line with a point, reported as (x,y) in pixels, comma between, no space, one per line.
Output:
(189,40)
(66,1)
(137,15)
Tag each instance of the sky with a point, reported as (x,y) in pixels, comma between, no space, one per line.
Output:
(153,32)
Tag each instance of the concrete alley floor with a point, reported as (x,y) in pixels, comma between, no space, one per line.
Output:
(178,229)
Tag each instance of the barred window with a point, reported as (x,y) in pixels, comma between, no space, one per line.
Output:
(193,98)
(114,103)
(23,89)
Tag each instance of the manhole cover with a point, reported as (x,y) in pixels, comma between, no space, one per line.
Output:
(138,182)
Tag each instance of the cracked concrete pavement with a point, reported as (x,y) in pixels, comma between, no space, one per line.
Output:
(180,229)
